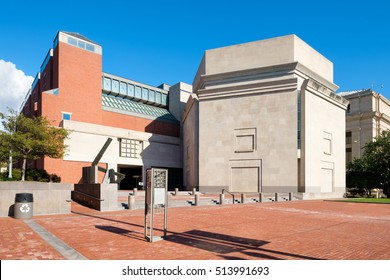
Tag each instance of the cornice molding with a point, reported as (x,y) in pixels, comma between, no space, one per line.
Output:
(254,88)
(324,92)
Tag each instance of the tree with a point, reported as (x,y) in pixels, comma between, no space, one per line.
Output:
(372,170)
(4,153)
(377,156)
(360,177)
(31,138)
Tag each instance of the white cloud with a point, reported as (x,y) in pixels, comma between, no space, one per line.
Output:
(14,85)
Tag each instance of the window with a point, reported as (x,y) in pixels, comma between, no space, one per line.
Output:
(123,88)
(130,148)
(348,155)
(145,94)
(72,41)
(107,84)
(164,99)
(158,97)
(66,116)
(80,44)
(90,47)
(151,95)
(115,86)
(130,90)
(348,137)
(138,92)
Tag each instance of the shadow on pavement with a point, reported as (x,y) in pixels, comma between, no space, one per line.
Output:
(221,244)
(121,231)
(226,244)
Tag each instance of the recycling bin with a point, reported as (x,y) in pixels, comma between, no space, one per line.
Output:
(23,206)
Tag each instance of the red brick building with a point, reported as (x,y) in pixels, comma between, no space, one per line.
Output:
(73,92)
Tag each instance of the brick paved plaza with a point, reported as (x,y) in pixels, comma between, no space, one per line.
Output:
(307,230)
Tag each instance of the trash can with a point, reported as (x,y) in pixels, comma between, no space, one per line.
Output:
(23,206)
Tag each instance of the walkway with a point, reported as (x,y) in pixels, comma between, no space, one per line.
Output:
(307,230)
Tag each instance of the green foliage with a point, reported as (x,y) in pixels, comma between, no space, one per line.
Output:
(369,200)
(55,178)
(16,175)
(30,138)
(360,176)
(4,150)
(372,170)
(4,153)
(37,175)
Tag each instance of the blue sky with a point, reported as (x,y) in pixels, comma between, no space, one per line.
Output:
(158,42)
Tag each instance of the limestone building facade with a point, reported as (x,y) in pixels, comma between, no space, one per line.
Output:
(264,117)
(367,116)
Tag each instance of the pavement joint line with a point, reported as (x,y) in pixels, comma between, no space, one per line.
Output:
(61,247)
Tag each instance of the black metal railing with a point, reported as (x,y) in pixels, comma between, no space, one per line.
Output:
(232,194)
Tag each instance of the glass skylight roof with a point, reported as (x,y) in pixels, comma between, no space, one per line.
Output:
(136,108)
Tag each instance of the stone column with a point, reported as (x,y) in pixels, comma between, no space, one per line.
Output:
(197,196)
(243,198)
(131,201)
(222,199)
(261,197)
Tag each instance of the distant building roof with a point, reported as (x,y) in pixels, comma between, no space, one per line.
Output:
(79,36)
(351,93)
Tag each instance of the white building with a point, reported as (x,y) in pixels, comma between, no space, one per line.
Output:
(264,118)
(368,115)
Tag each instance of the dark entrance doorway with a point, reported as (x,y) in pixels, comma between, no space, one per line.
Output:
(132,179)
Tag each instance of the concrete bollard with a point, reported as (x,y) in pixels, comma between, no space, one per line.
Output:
(276,197)
(243,198)
(176,191)
(222,199)
(131,202)
(135,191)
(290,196)
(193,190)
(261,197)
(197,196)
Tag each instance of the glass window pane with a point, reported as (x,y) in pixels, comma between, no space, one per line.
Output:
(115,85)
(130,90)
(90,47)
(151,95)
(107,83)
(81,44)
(138,92)
(158,97)
(145,94)
(123,89)
(164,99)
(72,41)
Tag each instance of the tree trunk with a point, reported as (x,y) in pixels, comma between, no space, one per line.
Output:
(24,169)
(10,165)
